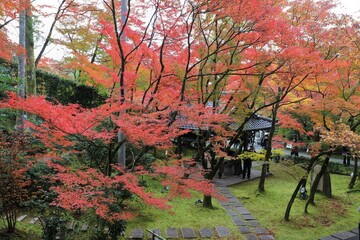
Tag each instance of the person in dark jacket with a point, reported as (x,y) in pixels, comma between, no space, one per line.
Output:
(264,141)
(221,170)
(346,156)
(247,167)
(236,163)
(295,151)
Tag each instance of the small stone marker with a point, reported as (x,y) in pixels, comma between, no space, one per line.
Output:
(22,217)
(172,233)
(188,233)
(222,231)
(136,233)
(71,225)
(206,233)
(84,227)
(34,220)
(324,185)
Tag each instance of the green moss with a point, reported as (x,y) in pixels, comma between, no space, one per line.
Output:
(184,213)
(326,217)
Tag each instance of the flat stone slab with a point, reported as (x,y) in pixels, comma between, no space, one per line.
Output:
(355,230)
(253,223)
(228,208)
(156,231)
(223,203)
(239,222)
(172,233)
(248,217)
(136,233)
(243,210)
(222,231)
(250,237)
(354,238)
(344,235)
(228,195)
(245,230)
(188,233)
(232,213)
(206,233)
(20,218)
(225,189)
(236,205)
(34,220)
(262,231)
(266,237)
(234,201)
(329,238)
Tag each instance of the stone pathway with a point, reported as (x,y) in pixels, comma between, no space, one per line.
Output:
(247,224)
(352,234)
(182,233)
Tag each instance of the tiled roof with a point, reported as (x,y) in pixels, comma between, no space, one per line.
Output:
(255,123)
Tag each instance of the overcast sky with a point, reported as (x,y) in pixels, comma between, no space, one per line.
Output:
(349,7)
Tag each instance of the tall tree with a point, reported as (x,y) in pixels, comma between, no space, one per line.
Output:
(29,46)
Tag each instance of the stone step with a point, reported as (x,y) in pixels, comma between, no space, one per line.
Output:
(20,218)
(34,220)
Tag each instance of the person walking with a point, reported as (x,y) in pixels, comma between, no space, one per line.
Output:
(221,170)
(295,151)
(346,156)
(264,141)
(247,167)
(236,163)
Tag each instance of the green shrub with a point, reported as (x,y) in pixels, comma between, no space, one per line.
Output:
(339,168)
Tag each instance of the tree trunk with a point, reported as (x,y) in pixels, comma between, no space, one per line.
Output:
(261,187)
(21,68)
(316,183)
(11,215)
(355,173)
(207,202)
(302,182)
(30,59)
(215,165)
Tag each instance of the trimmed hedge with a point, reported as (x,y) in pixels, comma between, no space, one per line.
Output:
(58,89)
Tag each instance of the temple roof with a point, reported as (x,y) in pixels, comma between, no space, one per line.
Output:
(255,123)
